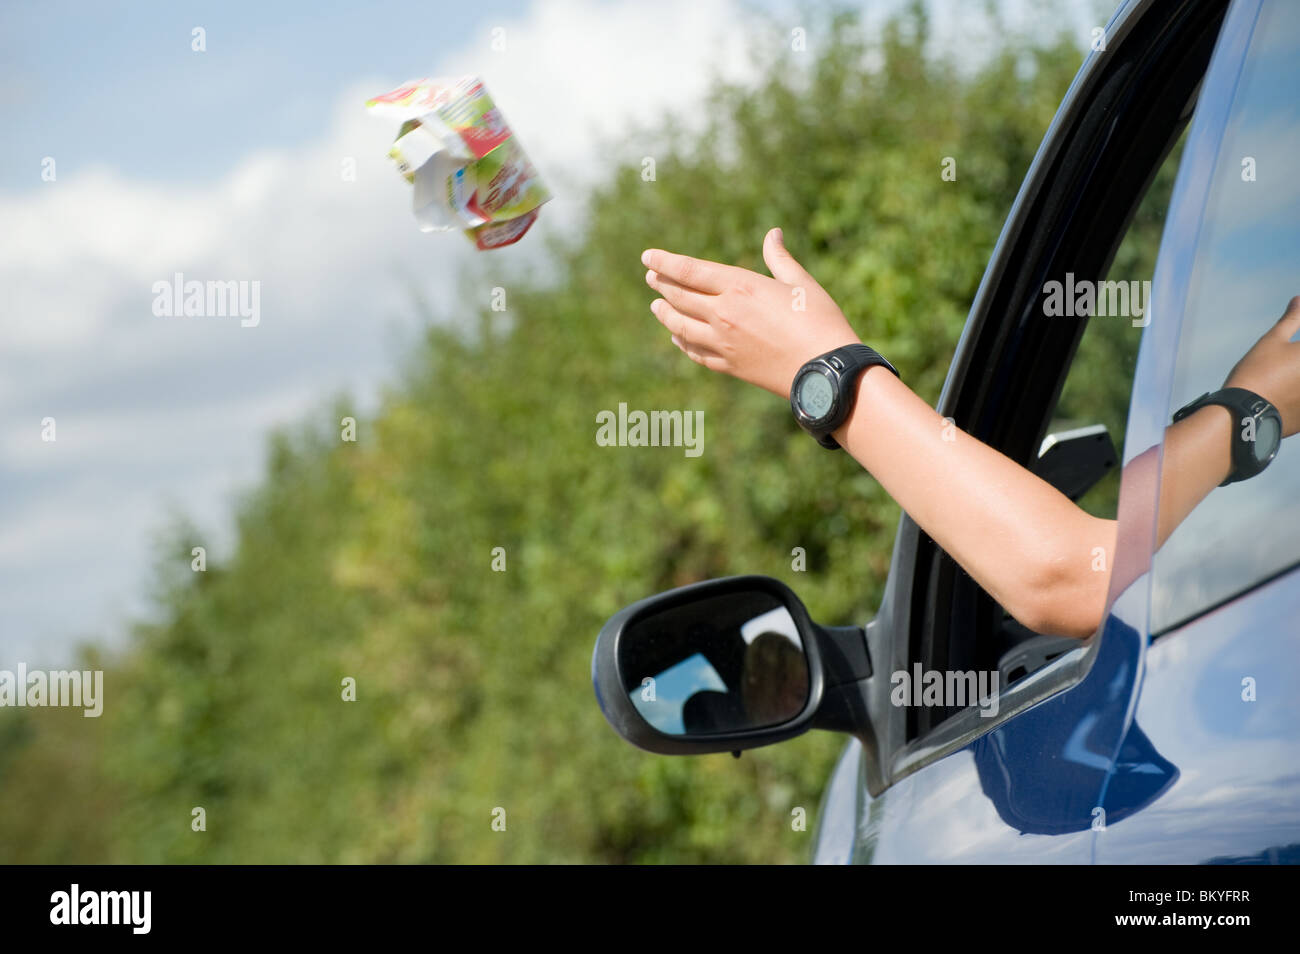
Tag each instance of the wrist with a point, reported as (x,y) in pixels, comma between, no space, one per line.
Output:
(1252,449)
(825,388)
(1209,429)
(826,346)
(875,387)
(1263,392)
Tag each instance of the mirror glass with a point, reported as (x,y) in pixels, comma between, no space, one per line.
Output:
(723,663)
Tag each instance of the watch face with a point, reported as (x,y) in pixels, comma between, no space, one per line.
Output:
(816,396)
(1268,434)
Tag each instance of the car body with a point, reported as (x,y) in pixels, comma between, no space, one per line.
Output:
(1172,735)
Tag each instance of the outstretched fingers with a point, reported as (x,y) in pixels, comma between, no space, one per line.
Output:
(701,355)
(691,330)
(1289,323)
(694,273)
(687,301)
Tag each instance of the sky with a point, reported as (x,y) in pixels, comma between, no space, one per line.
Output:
(130,156)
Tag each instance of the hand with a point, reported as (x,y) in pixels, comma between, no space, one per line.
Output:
(1271,368)
(729,319)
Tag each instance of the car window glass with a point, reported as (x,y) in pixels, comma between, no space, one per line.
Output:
(1246,268)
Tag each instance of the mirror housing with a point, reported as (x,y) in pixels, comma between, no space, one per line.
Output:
(836,658)
(1075,461)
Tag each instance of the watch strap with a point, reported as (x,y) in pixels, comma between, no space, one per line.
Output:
(857,358)
(1242,404)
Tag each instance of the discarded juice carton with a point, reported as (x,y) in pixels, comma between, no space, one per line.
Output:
(468,170)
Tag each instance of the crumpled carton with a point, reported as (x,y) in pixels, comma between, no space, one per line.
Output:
(468,170)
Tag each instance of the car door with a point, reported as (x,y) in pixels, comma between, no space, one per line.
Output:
(1060,769)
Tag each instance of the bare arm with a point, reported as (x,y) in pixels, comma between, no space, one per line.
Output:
(1021,539)
(1033,549)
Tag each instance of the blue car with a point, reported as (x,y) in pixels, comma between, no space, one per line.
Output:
(1172,735)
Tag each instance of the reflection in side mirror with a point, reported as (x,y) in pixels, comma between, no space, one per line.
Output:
(725,665)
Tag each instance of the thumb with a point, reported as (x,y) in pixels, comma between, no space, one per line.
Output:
(781,263)
(1289,323)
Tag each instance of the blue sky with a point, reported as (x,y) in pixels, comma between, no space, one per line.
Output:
(123,75)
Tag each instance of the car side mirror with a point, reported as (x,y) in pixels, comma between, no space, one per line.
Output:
(721,666)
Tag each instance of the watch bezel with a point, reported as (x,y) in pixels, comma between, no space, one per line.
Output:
(842,367)
(821,367)
(1259,410)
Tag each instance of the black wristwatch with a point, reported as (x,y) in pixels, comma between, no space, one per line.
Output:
(822,393)
(1253,449)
